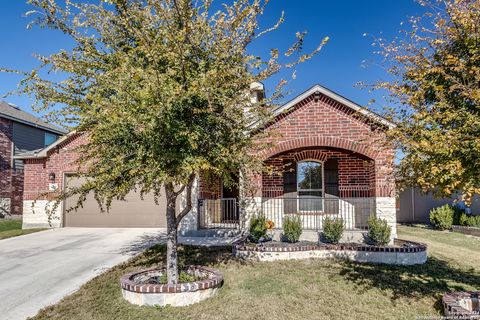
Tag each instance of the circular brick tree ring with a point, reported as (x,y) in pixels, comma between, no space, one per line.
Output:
(137,290)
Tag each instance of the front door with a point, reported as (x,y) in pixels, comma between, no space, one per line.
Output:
(230,211)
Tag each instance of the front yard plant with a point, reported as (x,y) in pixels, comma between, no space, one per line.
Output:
(258,229)
(292,228)
(441,218)
(378,232)
(333,229)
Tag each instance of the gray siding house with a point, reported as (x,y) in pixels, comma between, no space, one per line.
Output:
(20,132)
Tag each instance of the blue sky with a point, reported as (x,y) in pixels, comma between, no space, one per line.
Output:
(338,66)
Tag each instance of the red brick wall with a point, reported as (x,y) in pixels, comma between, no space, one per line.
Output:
(11,180)
(328,124)
(354,177)
(61,160)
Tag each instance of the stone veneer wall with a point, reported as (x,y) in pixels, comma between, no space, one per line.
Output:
(413,253)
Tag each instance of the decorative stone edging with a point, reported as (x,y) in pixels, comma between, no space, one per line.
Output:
(473,231)
(405,253)
(465,304)
(181,294)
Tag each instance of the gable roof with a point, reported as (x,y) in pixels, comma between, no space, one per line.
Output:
(335,96)
(14,113)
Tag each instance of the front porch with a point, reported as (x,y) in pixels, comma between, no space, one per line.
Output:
(313,183)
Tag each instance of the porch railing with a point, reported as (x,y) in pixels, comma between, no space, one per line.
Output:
(312,211)
(218,213)
(225,213)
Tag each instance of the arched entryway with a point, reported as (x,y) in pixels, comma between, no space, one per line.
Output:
(316,182)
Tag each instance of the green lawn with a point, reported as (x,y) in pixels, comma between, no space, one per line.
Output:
(13,228)
(311,289)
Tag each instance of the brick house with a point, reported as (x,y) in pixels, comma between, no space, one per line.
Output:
(327,156)
(20,132)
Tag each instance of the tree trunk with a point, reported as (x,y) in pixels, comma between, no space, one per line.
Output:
(172,256)
(172,225)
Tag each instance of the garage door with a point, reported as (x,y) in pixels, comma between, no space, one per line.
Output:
(134,212)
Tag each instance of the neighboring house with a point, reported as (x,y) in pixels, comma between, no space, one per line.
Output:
(329,158)
(414,206)
(20,132)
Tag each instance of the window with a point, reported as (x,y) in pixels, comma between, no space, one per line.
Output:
(50,138)
(310,186)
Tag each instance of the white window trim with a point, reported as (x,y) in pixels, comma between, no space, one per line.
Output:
(321,190)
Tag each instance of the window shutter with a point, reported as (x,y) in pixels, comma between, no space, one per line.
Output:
(289,186)
(331,177)
(289,176)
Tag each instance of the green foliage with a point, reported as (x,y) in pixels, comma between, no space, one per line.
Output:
(473,221)
(258,228)
(333,229)
(435,72)
(441,218)
(183,277)
(378,231)
(463,219)
(292,228)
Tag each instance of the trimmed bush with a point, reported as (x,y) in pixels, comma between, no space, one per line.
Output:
(378,232)
(258,228)
(292,228)
(333,229)
(470,220)
(441,218)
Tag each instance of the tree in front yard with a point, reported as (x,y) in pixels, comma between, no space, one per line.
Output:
(436,89)
(162,90)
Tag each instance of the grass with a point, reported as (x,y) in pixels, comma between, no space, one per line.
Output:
(13,228)
(309,289)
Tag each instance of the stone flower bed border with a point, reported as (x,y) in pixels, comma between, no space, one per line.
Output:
(454,304)
(404,253)
(473,231)
(181,294)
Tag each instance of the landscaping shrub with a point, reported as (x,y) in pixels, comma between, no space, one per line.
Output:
(258,228)
(469,220)
(441,218)
(378,231)
(292,228)
(332,229)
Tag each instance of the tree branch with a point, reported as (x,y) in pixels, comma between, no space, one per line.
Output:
(188,207)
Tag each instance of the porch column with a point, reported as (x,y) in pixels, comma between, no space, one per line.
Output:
(385,201)
(250,198)
(190,221)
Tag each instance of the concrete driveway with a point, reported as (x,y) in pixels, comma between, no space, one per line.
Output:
(39,269)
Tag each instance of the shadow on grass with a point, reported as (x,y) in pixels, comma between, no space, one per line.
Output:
(187,255)
(433,279)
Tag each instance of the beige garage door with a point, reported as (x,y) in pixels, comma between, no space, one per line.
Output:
(133,212)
